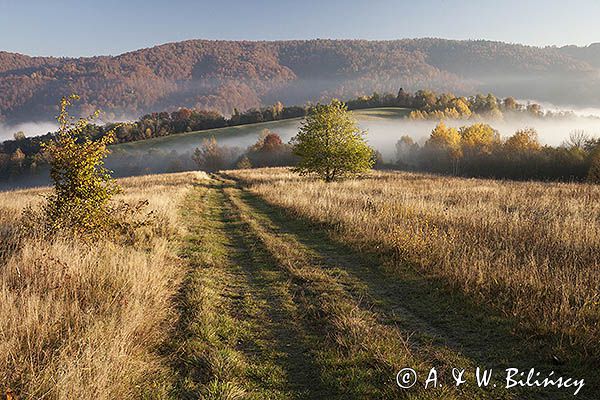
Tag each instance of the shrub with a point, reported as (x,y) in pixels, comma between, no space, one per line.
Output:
(82,186)
(594,171)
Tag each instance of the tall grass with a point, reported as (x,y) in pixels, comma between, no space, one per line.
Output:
(81,320)
(530,249)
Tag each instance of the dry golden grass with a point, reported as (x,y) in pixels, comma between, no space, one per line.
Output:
(81,321)
(531,249)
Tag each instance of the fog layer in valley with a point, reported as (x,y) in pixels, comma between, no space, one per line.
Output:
(7,132)
(383,133)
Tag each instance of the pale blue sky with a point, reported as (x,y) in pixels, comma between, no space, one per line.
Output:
(83,28)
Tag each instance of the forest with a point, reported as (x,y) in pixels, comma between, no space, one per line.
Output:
(223,75)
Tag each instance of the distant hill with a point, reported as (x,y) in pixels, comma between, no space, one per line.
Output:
(590,54)
(223,75)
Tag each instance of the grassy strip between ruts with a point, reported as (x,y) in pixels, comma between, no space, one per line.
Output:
(230,344)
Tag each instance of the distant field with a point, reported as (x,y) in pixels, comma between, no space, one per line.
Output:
(245,134)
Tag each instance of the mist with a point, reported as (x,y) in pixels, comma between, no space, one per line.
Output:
(577,111)
(382,134)
(174,153)
(30,129)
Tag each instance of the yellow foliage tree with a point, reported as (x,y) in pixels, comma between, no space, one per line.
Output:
(443,137)
(479,138)
(460,104)
(523,141)
(83,187)
(444,144)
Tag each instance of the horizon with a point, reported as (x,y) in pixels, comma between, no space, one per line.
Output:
(158,44)
(112,28)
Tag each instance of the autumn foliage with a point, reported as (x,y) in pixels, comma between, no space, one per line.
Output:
(82,186)
(478,150)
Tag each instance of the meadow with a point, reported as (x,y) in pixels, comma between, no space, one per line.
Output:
(260,284)
(85,320)
(245,135)
(531,249)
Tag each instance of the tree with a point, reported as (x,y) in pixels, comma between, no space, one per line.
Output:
(425,100)
(83,187)
(447,139)
(17,157)
(479,138)
(593,175)
(534,109)
(577,139)
(19,136)
(523,141)
(403,99)
(444,147)
(211,157)
(269,151)
(510,104)
(462,106)
(330,144)
(406,150)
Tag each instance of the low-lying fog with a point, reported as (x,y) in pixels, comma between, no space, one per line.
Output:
(383,133)
(7,132)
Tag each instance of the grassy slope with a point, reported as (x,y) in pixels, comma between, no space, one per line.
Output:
(86,322)
(272,306)
(294,313)
(190,139)
(350,213)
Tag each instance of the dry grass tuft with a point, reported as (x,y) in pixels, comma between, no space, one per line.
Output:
(85,321)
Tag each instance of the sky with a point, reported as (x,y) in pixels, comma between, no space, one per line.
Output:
(110,27)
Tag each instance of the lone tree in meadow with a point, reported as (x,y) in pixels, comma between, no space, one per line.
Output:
(331,145)
(83,187)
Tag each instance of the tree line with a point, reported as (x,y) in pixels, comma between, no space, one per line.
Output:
(477,150)
(22,156)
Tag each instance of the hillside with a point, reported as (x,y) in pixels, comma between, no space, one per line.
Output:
(224,75)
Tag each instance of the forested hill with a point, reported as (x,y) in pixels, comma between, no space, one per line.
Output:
(223,75)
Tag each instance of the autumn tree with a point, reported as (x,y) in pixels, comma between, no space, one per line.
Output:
(444,146)
(17,158)
(479,139)
(461,105)
(211,157)
(330,144)
(523,141)
(83,187)
(269,151)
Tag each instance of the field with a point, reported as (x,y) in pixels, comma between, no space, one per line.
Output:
(259,284)
(81,321)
